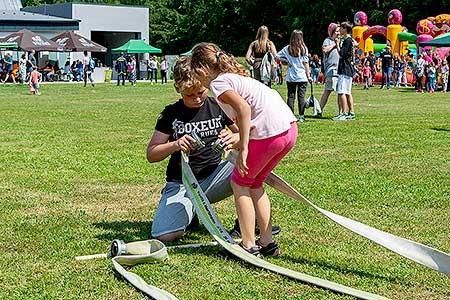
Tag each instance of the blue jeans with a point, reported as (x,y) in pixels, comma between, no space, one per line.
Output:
(176,211)
(386,74)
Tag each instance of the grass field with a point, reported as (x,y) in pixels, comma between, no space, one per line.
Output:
(73,177)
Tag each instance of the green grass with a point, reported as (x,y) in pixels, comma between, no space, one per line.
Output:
(73,177)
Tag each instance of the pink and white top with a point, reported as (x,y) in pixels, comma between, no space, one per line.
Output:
(269,113)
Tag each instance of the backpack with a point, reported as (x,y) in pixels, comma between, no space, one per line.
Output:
(268,68)
(91,64)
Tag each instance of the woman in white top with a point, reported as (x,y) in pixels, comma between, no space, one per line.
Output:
(298,73)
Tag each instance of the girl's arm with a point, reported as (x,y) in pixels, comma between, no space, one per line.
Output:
(243,112)
(248,55)
(272,48)
(158,148)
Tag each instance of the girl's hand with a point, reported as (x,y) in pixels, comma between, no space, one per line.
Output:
(241,162)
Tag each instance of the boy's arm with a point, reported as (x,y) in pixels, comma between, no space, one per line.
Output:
(159,148)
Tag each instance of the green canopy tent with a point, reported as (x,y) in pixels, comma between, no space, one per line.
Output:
(136,46)
(189,53)
(440,41)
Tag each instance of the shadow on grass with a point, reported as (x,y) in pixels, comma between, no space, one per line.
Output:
(440,129)
(343,269)
(124,230)
(139,230)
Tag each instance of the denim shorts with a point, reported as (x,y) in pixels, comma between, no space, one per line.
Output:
(176,211)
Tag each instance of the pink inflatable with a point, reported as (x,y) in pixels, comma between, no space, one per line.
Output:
(377,29)
(360,18)
(395,17)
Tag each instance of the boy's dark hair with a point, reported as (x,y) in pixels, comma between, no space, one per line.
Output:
(347,26)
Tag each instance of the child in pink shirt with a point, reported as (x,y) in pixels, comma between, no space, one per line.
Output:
(366,74)
(35,78)
(267,129)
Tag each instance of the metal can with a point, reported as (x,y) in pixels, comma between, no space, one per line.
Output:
(218,146)
(198,144)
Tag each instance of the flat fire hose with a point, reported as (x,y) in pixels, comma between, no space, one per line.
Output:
(210,220)
(422,254)
(130,254)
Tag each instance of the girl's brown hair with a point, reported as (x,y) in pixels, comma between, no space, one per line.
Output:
(208,58)
(297,46)
(262,39)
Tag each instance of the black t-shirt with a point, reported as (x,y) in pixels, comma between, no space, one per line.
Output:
(386,60)
(208,120)
(345,66)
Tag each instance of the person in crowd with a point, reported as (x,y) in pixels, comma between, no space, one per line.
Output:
(175,212)
(132,70)
(9,64)
(88,68)
(35,79)
(373,67)
(31,61)
(345,72)
(386,67)
(55,72)
(74,71)
(153,69)
(396,69)
(419,71)
(330,63)
(121,68)
(431,73)
(444,75)
(267,132)
(23,68)
(163,67)
(402,79)
(366,75)
(67,70)
(298,73)
(257,49)
(45,69)
(315,68)
(279,72)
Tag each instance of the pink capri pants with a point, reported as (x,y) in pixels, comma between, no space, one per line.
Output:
(263,157)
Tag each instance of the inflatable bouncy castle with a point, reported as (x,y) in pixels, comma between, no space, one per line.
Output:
(360,21)
(394,28)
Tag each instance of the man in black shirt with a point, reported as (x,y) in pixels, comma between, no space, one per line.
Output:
(386,67)
(345,72)
(195,112)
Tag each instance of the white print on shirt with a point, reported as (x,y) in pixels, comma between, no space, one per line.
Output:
(205,128)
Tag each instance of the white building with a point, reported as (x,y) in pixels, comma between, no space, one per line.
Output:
(108,25)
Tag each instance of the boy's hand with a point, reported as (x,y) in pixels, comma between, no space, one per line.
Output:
(185,143)
(230,139)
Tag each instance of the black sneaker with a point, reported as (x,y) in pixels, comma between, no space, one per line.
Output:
(270,249)
(253,251)
(194,223)
(235,233)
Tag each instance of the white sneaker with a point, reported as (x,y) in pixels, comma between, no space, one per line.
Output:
(340,117)
(301,119)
